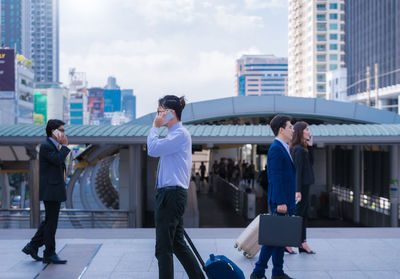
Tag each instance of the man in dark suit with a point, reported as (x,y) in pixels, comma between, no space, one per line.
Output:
(281,192)
(52,154)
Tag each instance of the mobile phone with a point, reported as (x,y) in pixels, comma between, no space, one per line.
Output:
(310,138)
(57,133)
(169,116)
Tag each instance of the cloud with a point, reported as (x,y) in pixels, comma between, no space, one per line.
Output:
(158,11)
(265,4)
(234,21)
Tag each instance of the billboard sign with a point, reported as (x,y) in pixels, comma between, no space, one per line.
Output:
(7,73)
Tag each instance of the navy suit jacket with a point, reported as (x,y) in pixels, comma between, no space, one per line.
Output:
(281,178)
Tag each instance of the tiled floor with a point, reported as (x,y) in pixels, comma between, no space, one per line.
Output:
(350,255)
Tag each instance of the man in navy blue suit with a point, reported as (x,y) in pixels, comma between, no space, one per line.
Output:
(282,194)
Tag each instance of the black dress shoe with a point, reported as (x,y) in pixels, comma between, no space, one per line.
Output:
(255,276)
(54,259)
(29,250)
(283,276)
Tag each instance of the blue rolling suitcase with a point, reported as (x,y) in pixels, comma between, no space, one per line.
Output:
(217,267)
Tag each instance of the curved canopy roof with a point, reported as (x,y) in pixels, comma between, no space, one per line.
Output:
(202,134)
(310,108)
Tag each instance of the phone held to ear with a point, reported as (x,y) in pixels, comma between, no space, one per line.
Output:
(169,116)
(57,134)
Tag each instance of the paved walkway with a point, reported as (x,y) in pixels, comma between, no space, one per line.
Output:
(129,253)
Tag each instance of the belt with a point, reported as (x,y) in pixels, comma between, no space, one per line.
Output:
(168,188)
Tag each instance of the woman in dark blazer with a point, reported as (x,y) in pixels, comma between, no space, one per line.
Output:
(302,154)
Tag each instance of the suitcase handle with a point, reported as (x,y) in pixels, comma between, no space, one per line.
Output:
(194,250)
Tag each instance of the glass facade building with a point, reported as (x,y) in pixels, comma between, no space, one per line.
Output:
(16,26)
(372,36)
(45,40)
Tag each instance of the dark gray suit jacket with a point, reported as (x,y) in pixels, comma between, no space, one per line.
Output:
(51,172)
(304,166)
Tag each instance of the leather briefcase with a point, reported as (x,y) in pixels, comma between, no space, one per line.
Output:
(280,230)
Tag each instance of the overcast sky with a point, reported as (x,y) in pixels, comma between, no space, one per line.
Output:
(181,47)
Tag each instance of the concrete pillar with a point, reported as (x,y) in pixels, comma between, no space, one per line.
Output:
(5,191)
(130,186)
(329,168)
(394,185)
(34,186)
(357,183)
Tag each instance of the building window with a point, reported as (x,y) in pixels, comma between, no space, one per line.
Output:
(333,16)
(333,57)
(333,36)
(320,88)
(321,68)
(333,67)
(333,6)
(321,58)
(321,48)
(333,46)
(333,26)
(321,7)
(321,27)
(321,37)
(321,17)
(321,78)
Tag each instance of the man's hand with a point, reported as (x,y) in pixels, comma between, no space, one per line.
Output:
(282,208)
(298,196)
(160,119)
(64,140)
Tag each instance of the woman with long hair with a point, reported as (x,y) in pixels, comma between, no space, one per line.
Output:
(302,154)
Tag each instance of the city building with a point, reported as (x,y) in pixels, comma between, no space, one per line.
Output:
(16,26)
(373,53)
(45,40)
(96,105)
(78,98)
(24,86)
(337,85)
(316,45)
(129,103)
(261,75)
(50,102)
(111,83)
(16,88)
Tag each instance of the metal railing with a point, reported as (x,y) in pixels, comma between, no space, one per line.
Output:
(371,202)
(69,218)
(230,194)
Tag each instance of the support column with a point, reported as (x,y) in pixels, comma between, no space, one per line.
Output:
(130,188)
(34,186)
(357,183)
(394,185)
(329,168)
(5,191)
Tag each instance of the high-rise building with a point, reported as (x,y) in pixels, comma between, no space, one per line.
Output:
(129,103)
(77,98)
(96,105)
(50,102)
(45,40)
(261,75)
(373,49)
(111,83)
(316,44)
(336,86)
(16,26)
(16,88)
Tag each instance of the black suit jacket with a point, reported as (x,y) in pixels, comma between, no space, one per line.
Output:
(51,172)
(304,166)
